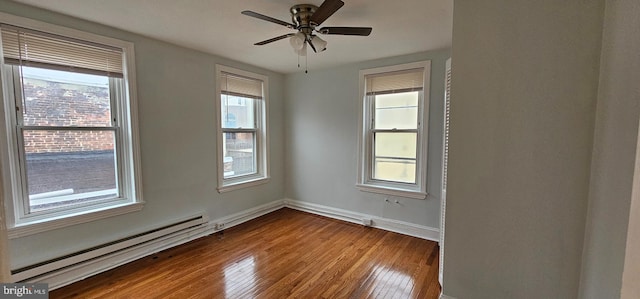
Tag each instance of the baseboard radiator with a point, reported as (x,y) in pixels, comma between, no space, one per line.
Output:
(77,266)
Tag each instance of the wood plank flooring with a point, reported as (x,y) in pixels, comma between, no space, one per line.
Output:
(284,254)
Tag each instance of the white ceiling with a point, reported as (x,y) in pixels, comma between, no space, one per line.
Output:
(217,27)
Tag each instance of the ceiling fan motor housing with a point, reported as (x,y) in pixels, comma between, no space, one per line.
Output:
(301,16)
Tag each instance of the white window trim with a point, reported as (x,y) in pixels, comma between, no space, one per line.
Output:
(364,182)
(262,138)
(17,226)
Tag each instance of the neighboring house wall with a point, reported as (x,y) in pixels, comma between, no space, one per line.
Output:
(523,105)
(176,96)
(614,153)
(322,140)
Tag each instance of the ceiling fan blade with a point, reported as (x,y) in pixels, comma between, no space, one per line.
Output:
(267,18)
(264,42)
(363,31)
(326,9)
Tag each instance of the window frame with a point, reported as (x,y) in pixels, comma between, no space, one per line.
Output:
(261,138)
(365,181)
(19,222)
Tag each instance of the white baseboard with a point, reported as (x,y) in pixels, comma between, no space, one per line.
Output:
(406,228)
(443,296)
(246,215)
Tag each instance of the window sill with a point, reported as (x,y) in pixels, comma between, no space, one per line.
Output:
(392,191)
(243,184)
(34,227)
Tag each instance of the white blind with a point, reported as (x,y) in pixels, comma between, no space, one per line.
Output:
(27,47)
(395,82)
(235,85)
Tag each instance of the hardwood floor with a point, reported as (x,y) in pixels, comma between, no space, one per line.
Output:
(284,254)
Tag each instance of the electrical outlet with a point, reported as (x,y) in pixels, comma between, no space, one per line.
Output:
(219,226)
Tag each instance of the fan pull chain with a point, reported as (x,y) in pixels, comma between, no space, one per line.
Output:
(306,69)
(298,60)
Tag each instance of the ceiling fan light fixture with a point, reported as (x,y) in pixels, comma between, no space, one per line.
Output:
(302,51)
(298,41)
(319,44)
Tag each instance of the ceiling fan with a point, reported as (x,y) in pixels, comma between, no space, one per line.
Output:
(305,19)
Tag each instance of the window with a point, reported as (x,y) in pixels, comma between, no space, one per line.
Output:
(242,128)
(68,122)
(394,117)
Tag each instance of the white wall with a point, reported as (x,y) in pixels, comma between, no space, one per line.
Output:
(523,102)
(322,138)
(614,152)
(176,92)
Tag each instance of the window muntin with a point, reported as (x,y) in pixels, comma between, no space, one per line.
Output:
(393,145)
(69,118)
(242,128)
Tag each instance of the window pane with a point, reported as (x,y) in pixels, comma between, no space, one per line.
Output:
(58,98)
(395,170)
(239,154)
(237,112)
(395,145)
(66,168)
(396,111)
